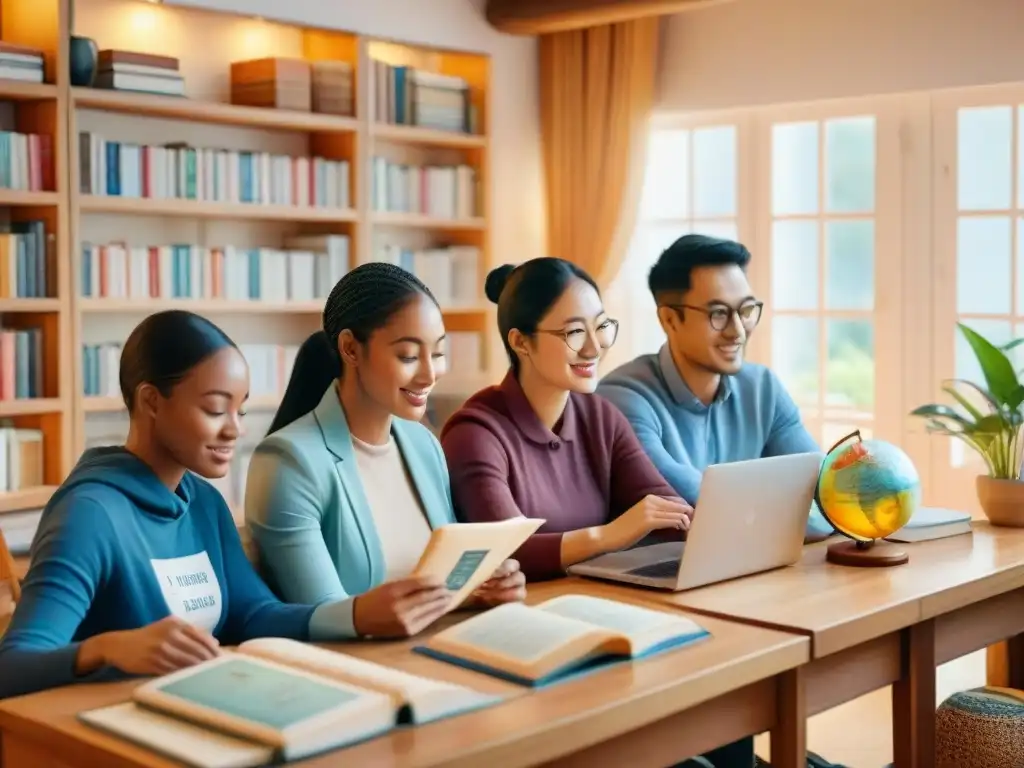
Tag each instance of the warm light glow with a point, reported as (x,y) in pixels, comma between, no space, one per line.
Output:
(144,20)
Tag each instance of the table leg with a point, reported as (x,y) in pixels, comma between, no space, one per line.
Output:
(1005,664)
(913,699)
(789,736)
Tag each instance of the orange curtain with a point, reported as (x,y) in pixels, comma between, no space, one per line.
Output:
(597,88)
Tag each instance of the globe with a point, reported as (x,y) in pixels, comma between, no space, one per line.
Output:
(867,489)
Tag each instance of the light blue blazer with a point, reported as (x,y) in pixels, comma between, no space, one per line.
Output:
(307,512)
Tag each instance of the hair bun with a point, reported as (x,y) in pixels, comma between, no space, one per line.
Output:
(496,280)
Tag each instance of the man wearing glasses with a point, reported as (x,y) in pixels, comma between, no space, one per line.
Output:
(696,402)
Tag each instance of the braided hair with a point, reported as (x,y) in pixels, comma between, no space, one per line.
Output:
(362,302)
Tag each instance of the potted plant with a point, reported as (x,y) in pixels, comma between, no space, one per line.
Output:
(988,418)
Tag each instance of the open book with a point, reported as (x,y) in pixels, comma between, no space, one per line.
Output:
(465,555)
(274,700)
(561,637)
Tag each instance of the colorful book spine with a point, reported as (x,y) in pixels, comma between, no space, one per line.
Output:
(24,261)
(26,162)
(21,363)
(405,95)
(452,273)
(446,192)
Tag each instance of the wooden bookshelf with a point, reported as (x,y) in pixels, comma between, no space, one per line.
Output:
(206,42)
(39,108)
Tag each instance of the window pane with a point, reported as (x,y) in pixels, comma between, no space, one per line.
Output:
(850,369)
(726,229)
(794,168)
(850,271)
(1020,157)
(984,149)
(794,263)
(983,273)
(667,176)
(714,172)
(998,332)
(850,164)
(649,241)
(795,356)
(1020,267)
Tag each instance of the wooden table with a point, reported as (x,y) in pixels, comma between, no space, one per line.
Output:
(873,627)
(742,681)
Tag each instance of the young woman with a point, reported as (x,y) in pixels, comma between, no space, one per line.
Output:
(137,567)
(342,496)
(541,444)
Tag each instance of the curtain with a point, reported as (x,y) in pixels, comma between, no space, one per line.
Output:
(597,91)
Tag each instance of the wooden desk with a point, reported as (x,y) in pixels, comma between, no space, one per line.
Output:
(873,627)
(743,681)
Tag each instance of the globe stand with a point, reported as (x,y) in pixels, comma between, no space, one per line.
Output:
(866,554)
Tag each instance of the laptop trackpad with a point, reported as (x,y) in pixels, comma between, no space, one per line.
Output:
(637,557)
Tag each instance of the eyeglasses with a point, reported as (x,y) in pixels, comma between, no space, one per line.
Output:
(720,317)
(575,338)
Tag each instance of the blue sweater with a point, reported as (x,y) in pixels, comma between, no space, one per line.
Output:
(751,416)
(116,550)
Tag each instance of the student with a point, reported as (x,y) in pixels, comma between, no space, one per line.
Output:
(137,567)
(541,444)
(342,496)
(697,402)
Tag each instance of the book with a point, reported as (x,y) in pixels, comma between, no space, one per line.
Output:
(559,638)
(465,555)
(932,523)
(277,700)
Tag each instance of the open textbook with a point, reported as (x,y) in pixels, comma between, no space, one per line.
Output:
(465,555)
(276,700)
(564,636)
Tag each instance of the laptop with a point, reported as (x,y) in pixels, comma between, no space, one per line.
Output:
(751,517)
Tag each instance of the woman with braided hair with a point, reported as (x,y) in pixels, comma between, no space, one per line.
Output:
(344,491)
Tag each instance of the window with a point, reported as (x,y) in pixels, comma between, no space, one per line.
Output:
(691,184)
(979,238)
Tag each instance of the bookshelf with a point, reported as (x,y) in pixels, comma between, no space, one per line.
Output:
(379,188)
(36,392)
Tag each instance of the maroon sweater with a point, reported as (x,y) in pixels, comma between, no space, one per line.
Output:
(504,462)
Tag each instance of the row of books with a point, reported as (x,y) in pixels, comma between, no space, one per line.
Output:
(21,458)
(408,96)
(452,273)
(26,161)
(270,365)
(181,172)
(306,269)
(24,261)
(21,363)
(448,192)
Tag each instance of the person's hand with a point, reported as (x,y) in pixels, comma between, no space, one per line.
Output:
(157,649)
(506,585)
(652,513)
(400,608)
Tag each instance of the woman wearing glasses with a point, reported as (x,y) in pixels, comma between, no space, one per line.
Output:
(541,444)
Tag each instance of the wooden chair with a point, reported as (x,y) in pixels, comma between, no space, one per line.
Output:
(10,585)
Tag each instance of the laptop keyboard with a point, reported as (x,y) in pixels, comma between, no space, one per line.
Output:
(664,569)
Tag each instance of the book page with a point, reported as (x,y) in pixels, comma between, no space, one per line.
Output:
(643,626)
(177,739)
(426,697)
(519,640)
(465,555)
(254,698)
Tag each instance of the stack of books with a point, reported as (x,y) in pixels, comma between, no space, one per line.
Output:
(19,62)
(331,85)
(142,72)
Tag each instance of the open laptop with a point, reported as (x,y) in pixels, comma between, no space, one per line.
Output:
(751,517)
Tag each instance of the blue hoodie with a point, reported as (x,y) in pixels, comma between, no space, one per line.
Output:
(116,550)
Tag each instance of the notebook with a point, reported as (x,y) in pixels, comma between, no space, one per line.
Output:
(559,638)
(276,700)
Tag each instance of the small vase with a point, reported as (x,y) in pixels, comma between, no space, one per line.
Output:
(1001,500)
(83,55)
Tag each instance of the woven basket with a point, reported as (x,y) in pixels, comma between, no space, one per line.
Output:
(980,728)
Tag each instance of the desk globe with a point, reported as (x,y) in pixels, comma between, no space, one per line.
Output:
(867,490)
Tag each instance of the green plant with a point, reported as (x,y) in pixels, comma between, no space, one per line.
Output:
(989,416)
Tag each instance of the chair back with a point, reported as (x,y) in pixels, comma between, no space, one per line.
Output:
(10,585)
